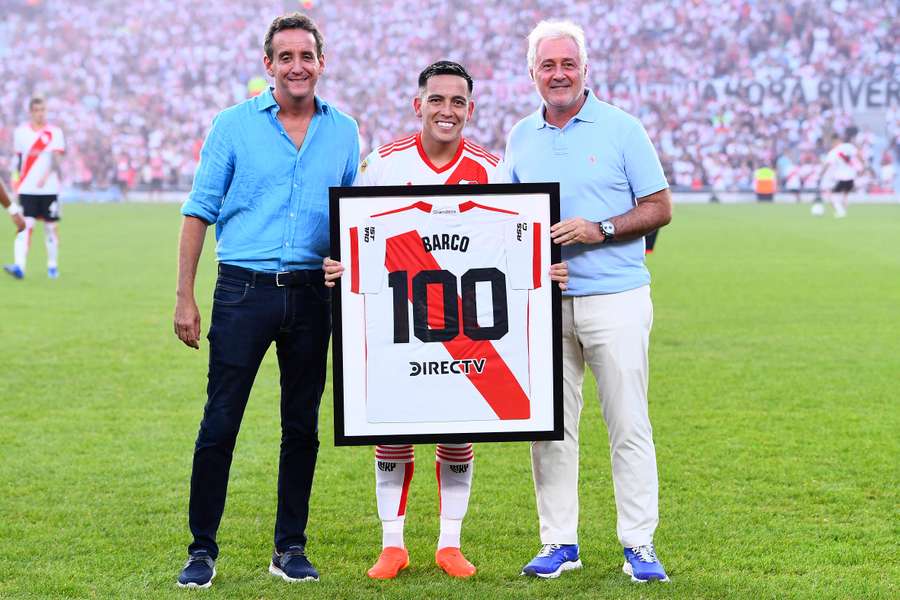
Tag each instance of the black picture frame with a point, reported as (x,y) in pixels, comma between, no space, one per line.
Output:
(339,195)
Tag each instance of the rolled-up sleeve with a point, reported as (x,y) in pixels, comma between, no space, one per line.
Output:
(213,176)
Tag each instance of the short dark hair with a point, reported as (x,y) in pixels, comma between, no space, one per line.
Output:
(34,101)
(294,21)
(444,67)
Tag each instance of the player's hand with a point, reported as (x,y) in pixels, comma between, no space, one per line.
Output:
(187,322)
(333,271)
(576,231)
(19,222)
(560,274)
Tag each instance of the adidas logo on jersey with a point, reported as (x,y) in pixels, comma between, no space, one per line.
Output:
(447,367)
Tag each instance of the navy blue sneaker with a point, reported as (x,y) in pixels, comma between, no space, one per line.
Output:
(292,565)
(14,270)
(552,560)
(198,572)
(643,565)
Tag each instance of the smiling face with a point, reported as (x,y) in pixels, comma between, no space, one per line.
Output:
(558,74)
(444,107)
(295,65)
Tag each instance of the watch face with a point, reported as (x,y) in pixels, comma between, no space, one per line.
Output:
(608,228)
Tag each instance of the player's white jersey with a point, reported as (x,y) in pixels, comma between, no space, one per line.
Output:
(843,162)
(404,162)
(446,293)
(34,147)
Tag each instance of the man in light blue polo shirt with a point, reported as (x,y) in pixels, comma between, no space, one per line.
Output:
(263,179)
(612,193)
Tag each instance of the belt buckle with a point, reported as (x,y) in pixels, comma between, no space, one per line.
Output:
(278,278)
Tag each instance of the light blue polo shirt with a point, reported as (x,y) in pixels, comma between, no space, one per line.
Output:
(603,160)
(268,199)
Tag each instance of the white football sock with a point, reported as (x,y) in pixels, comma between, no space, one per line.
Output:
(22,243)
(51,239)
(394,467)
(454,467)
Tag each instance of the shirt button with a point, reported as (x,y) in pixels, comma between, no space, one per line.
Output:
(292,215)
(296,185)
(286,244)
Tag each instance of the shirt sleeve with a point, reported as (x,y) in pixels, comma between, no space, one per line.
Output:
(59,141)
(352,166)
(367,247)
(523,254)
(642,166)
(500,174)
(19,142)
(365,175)
(213,176)
(509,174)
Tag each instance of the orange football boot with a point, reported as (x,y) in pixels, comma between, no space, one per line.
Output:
(390,563)
(452,561)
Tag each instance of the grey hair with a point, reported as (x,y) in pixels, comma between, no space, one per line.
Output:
(554,29)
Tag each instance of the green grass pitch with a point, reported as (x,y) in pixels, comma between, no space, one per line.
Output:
(774,396)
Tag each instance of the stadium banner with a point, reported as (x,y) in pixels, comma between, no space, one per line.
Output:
(446,326)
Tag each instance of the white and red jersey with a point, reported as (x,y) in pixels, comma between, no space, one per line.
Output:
(404,162)
(34,147)
(843,162)
(446,297)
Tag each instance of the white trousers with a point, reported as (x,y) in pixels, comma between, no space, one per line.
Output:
(611,333)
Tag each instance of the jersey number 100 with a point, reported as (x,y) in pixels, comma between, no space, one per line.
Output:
(399,284)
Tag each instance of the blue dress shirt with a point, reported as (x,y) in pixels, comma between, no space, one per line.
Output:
(603,160)
(269,201)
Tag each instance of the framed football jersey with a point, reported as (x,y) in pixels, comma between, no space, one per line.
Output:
(446,326)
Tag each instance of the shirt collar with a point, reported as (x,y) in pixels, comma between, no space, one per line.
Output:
(590,111)
(266,100)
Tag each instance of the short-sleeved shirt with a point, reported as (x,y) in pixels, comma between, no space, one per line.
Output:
(268,199)
(35,148)
(842,162)
(404,162)
(603,161)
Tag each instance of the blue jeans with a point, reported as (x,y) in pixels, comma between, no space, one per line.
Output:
(250,311)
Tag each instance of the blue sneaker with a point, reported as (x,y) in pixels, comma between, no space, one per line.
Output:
(198,572)
(14,270)
(643,565)
(52,272)
(552,560)
(292,565)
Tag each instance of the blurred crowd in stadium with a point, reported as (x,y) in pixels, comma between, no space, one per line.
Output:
(135,83)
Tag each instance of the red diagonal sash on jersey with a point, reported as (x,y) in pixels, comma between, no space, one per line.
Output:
(39,145)
(497,384)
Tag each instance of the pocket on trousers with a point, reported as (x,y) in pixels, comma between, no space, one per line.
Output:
(228,292)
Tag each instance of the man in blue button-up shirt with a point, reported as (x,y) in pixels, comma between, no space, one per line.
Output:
(263,179)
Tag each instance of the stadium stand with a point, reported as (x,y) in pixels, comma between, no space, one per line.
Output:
(722,87)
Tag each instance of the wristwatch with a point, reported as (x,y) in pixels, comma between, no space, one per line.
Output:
(608,230)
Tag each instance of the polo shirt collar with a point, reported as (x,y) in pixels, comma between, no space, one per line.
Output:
(266,100)
(590,111)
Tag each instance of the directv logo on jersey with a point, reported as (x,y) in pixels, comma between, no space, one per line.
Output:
(445,241)
(369,234)
(447,367)
(520,227)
